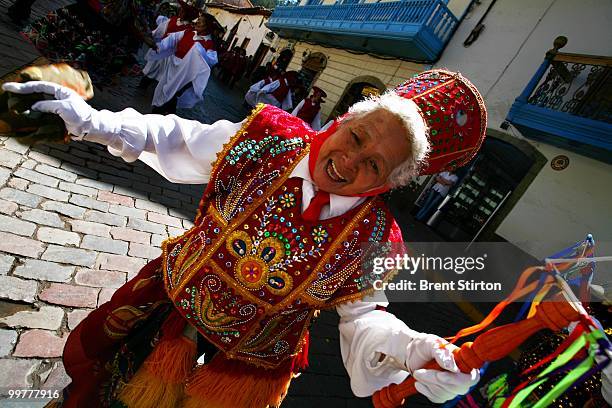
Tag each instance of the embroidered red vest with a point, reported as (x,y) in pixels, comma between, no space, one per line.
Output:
(308,111)
(251,273)
(281,92)
(172,26)
(187,42)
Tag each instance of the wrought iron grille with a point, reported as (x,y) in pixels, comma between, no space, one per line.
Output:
(576,88)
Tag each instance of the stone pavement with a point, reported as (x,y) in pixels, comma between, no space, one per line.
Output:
(76,223)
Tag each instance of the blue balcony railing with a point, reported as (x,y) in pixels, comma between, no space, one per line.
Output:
(568,103)
(415,29)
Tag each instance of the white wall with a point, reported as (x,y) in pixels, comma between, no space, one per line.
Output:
(247,29)
(559,206)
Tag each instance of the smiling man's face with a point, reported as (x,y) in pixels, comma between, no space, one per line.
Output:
(361,154)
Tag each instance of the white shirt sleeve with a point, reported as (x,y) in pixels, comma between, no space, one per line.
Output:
(366,334)
(210,56)
(288,102)
(166,47)
(181,150)
(297,108)
(376,346)
(160,30)
(271,87)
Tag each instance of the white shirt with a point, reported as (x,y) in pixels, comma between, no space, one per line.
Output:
(442,188)
(183,151)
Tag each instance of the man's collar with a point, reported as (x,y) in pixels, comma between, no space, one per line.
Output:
(337,204)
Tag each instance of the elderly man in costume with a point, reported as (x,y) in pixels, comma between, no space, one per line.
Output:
(277,237)
(309,109)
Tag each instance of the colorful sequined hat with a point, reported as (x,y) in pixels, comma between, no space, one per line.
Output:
(455,113)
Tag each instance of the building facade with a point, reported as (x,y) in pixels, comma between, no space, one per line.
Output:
(565,191)
(535,185)
(245,27)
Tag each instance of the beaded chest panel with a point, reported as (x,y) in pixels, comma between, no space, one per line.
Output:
(251,273)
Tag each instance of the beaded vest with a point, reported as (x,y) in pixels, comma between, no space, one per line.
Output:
(251,273)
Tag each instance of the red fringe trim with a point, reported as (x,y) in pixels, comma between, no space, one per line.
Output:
(160,380)
(300,361)
(225,383)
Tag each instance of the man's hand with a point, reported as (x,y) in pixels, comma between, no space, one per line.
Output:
(150,42)
(79,117)
(438,385)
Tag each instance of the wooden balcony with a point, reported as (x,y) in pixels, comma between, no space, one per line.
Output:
(413,29)
(568,103)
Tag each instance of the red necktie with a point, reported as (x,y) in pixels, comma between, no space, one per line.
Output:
(320,200)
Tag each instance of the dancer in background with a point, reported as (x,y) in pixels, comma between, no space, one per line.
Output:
(188,12)
(271,74)
(190,55)
(279,93)
(309,109)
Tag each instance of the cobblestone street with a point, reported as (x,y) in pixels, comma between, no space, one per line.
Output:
(76,223)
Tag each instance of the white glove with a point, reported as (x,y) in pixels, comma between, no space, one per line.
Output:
(438,386)
(80,118)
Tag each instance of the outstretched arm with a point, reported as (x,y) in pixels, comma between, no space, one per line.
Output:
(181,150)
(166,47)
(210,56)
(378,349)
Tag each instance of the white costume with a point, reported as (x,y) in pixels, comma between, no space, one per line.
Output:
(193,68)
(377,348)
(316,122)
(251,96)
(154,68)
(264,95)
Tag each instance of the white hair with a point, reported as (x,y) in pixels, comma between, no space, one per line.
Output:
(414,124)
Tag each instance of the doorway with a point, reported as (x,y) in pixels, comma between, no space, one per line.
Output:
(485,191)
(357,90)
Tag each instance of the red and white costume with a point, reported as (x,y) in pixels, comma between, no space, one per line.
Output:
(309,112)
(250,274)
(189,57)
(277,93)
(165,26)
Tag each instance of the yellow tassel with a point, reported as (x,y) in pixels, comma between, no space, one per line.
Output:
(161,379)
(225,383)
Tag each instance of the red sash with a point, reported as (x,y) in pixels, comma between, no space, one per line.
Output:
(281,92)
(187,42)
